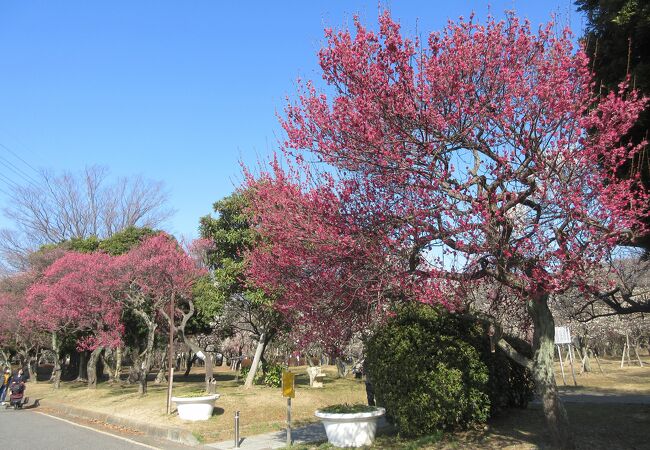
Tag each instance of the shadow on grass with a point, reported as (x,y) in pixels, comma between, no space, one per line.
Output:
(200,378)
(36,404)
(595,426)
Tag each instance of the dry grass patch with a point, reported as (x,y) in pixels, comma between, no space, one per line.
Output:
(597,426)
(614,380)
(262,409)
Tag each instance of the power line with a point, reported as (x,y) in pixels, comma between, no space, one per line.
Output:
(9,182)
(24,176)
(21,159)
(5,192)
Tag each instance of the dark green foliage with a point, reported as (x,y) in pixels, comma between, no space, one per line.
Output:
(243,372)
(617,37)
(511,385)
(123,241)
(433,371)
(273,375)
(87,245)
(228,293)
(346,408)
(232,236)
(270,375)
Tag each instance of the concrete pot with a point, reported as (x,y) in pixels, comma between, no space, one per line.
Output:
(195,408)
(350,430)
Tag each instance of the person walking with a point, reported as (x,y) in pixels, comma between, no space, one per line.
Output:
(4,387)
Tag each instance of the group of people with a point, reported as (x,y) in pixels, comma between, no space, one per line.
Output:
(11,382)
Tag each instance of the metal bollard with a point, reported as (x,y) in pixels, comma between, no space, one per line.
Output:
(237,429)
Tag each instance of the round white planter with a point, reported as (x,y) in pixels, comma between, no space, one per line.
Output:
(195,408)
(350,430)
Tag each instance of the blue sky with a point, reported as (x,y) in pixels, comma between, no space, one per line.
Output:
(178,91)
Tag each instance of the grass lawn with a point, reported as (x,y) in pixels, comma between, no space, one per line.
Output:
(596,425)
(262,409)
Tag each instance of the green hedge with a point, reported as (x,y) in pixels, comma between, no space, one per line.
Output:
(271,375)
(434,371)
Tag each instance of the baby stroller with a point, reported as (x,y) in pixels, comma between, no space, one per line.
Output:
(17,394)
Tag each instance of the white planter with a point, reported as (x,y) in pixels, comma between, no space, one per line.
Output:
(350,430)
(195,408)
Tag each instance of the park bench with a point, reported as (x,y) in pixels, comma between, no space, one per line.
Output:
(316,376)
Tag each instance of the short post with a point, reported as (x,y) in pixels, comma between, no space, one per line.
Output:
(237,429)
(288,421)
(288,391)
(573,372)
(559,352)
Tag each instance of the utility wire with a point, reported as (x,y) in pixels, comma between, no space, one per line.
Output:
(21,159)
(24,176)
(9,182)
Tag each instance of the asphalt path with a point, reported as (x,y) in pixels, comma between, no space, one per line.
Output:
(30,429)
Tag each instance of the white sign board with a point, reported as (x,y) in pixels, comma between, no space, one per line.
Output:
(562,335)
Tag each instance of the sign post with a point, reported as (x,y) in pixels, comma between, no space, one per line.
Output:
(562,337)
(288,391)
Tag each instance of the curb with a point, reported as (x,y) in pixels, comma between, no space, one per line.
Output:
(172,434)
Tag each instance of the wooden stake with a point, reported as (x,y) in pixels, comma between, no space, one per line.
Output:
(638,358)
(598,361)
(629,55)
(573,372)
(559,351)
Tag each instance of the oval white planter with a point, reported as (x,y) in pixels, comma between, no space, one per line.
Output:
(195,408)
(350,430)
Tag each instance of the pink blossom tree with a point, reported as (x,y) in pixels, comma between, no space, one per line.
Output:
(316,261)
(483,156)
(27,340)
(78,295)
(154,274)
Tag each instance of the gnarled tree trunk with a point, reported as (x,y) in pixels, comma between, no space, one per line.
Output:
(543,351)
(92,367)
(256,362)
(56,371)
(342,368)
(118,364)
(136,363)
(82,374)
(147,361)
(541,367)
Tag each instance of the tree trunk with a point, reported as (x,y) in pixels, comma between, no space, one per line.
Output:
(160,376)
(118,364)
(4,359)
(56,372)
(32,365)
(136,363)
(147,361)
(83,367)
(584,353)
(256,362)
(341,367)
(189,361)
(210,381)
(92,367)
(542,368)
(107,365)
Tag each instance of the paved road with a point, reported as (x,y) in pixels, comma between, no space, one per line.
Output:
(29,429)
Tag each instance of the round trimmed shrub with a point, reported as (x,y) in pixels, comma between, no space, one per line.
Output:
(426,377)
(434,371)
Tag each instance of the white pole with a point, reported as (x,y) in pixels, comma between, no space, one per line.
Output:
(573,372)
(559,352)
